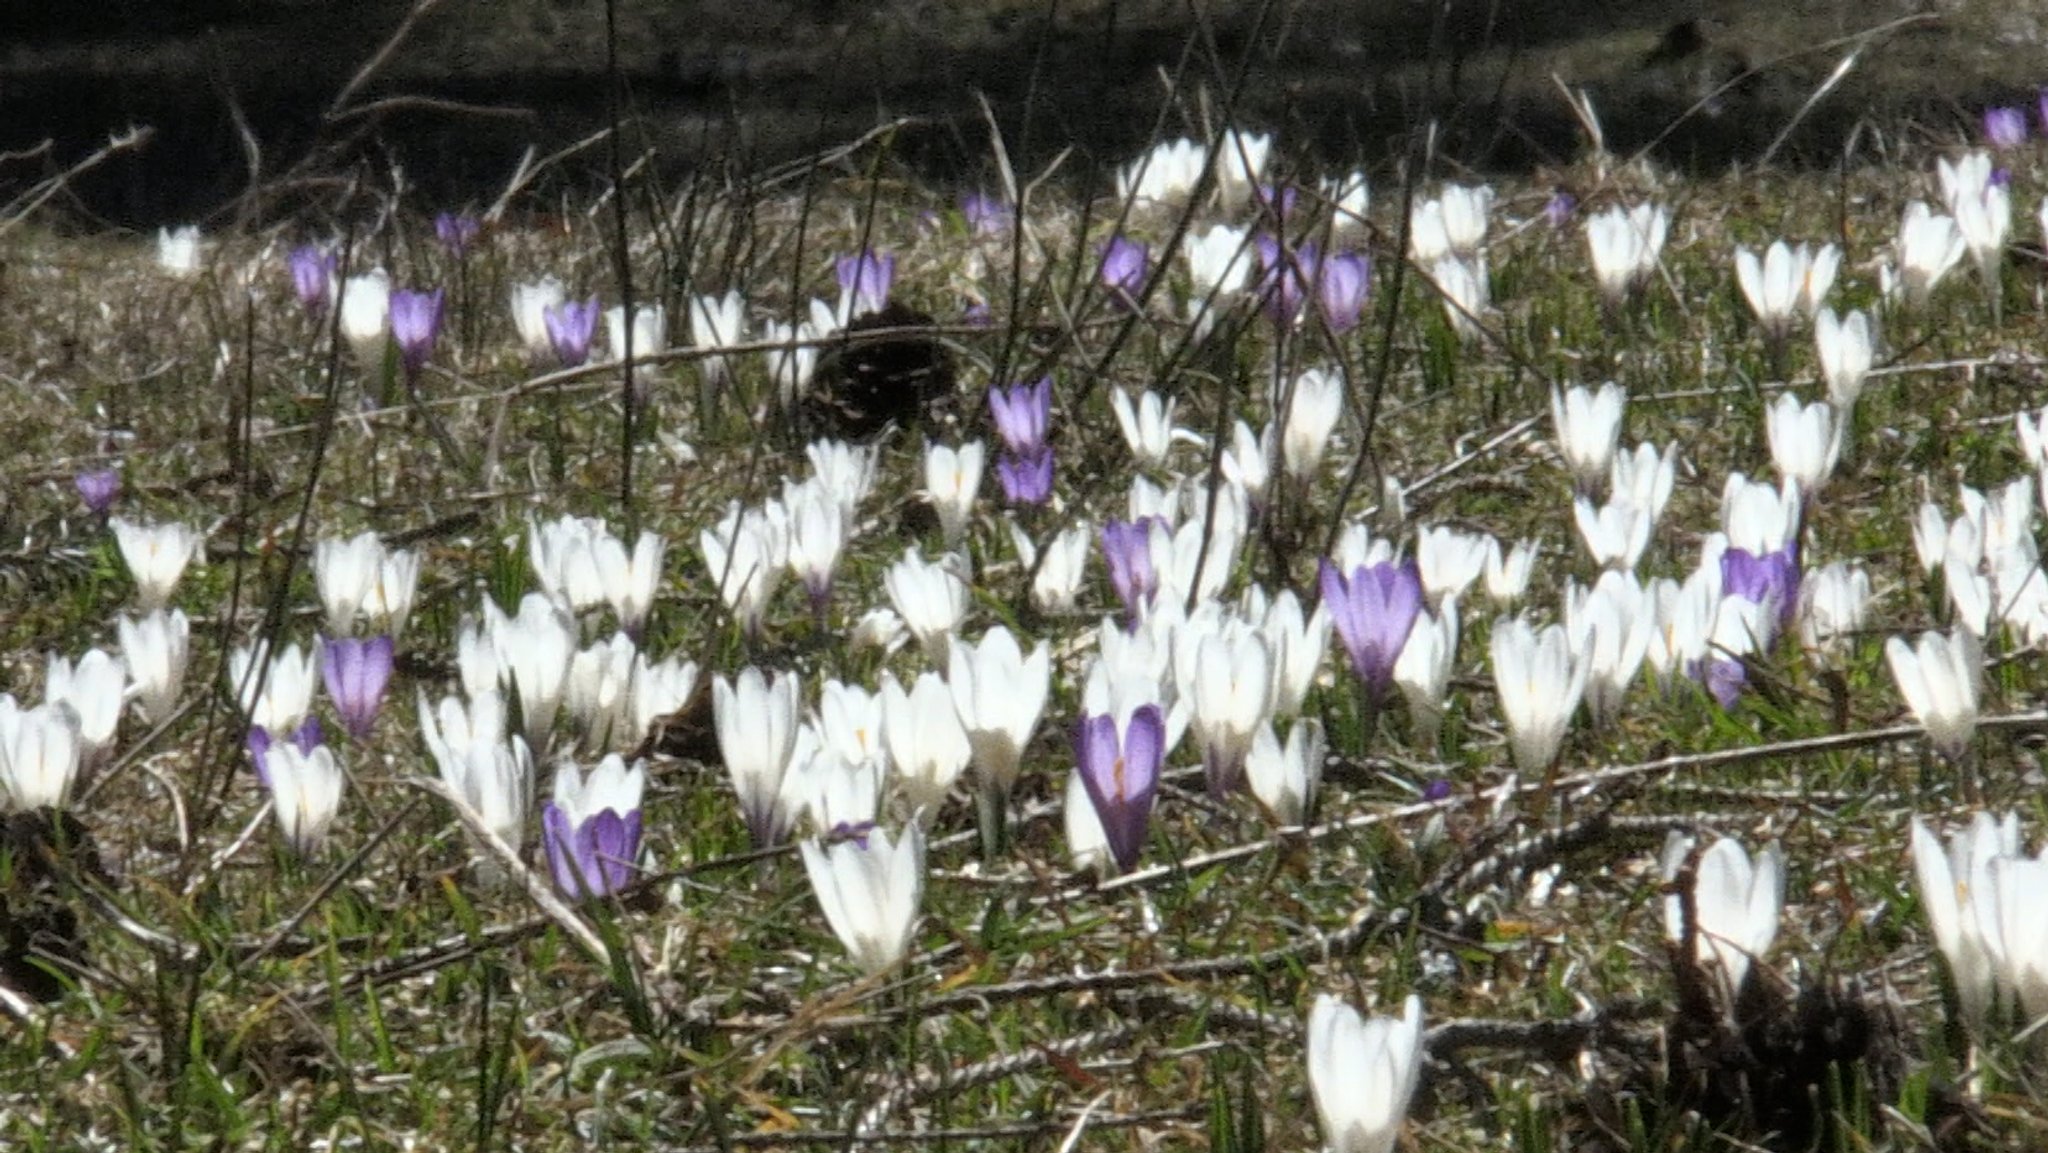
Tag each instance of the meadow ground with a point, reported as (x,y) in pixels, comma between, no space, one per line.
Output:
(402,986)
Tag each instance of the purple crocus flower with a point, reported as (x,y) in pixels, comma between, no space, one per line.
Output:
(415,323)
(977,314)
(592,828)
(1342,285)
(356,671)
(2005,127)
(2041,109)
(986,215)
(570,325)
(1373,610)
(98,487)
(1725,679)
(1560,207)
(455,231)
(864,280)
(307,737)
(312,277)
(1277,200)
(1121,773)
(1284,278)
(1771,579)
(1124,263)
(1022,413)
(1438,789)
(2001,177)
(1127,550)
(1027,477)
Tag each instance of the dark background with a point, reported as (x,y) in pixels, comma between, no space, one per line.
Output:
(740,86)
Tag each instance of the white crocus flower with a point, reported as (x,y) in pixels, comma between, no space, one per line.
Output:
(1645,477)
(1466,291)
(1240,163)
(921,730)
(1165,177)
(660,689)
(1626,246)
(1736,904)
(931,597)
(1775,286)
(1507,574)
(1313,409)
(650,330)
(1147,425)
(1588,429)
(39,754)
(1805,441)
(280,701)
(718,322)
(1350,196)
(952,477)
(365,316)
(998,693)
(563,553)
(791,366)
(1846,347)
(1928,246)
(530,302)
(1450,562)
(1957,894)
(1834,601)
(92,688)
(598,689)
(1938,676)
(629,579)
(1966,176)
(2014,925)
(1616,534)
(756,721)
(492,773)
(1248,462)
(1611,628)
(1298,642)
(1219,265)
(533,651)
(1087,843)
(305,791)
(1423,670)
(1985,220)
(1362,1073)
(847,471)
(817,537)
(849,722)
(1065,565)
(1285,777)
(178,251)
(156,556)
(1540,684)
(154,648)
(869,889)
(345,574)
(1760,518)
(745,555)
(1229,691)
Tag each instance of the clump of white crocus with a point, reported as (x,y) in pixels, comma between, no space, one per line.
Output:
(156,556)
(1284,777)
(1362,1073)
(39,753)
(178,251)
(756,719)
(1539,682)
(1938,676)
(1588,429)
(1423,671)
(530,302)
(745,556)
(491,771)
(1957,894)
(1626,246)
(717,322)
(1467,293)
(998,693)
(274,692)
(1806,441)
(365,316)
(1147,425)
(1846,348)
(1735,905)
(1313,408)
(869,888)
(154,648)
(305,793)
(952,477)
(1834,600)
(1165,177)
(1928,246)
(92,688)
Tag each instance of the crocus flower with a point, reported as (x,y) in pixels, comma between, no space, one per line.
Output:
(156,556)
(1167,175)
(1313,410)
(1467,293)
(1938,676)
(1276,200)
(456,231)
(986,215)
(275,695)
(2005,127)
(951,478)
(1845,348)
(1229,693)
(1284,276)
(92,689)
(1540,684)
(999,693)
(39,753)
(1218,268)
(1026,479)
(1120,771)
(921,730)
(1059,574)
(415,324)
(756,721)
(153,651)
(931,596)
(312,270)
(1343,281)
(1240,164)
(1559,208)
(1022,414)
(1362,1073)
(629,578)
(1127,551)
(1423,672)
(1928,246)
(366,316)
(1958,896)
(1735,901)
(305,791)
(178,251)
(1769,579)
(98,487)
(869,889)
(1147,424)
(490,771)
(1124,266)
(1626,245)
(716,322)
(356,672)
(1588,427)
(307,737)
(1285,777)
(864,282)
(591,829)
(571,325)
(530,302)
(1373,610)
